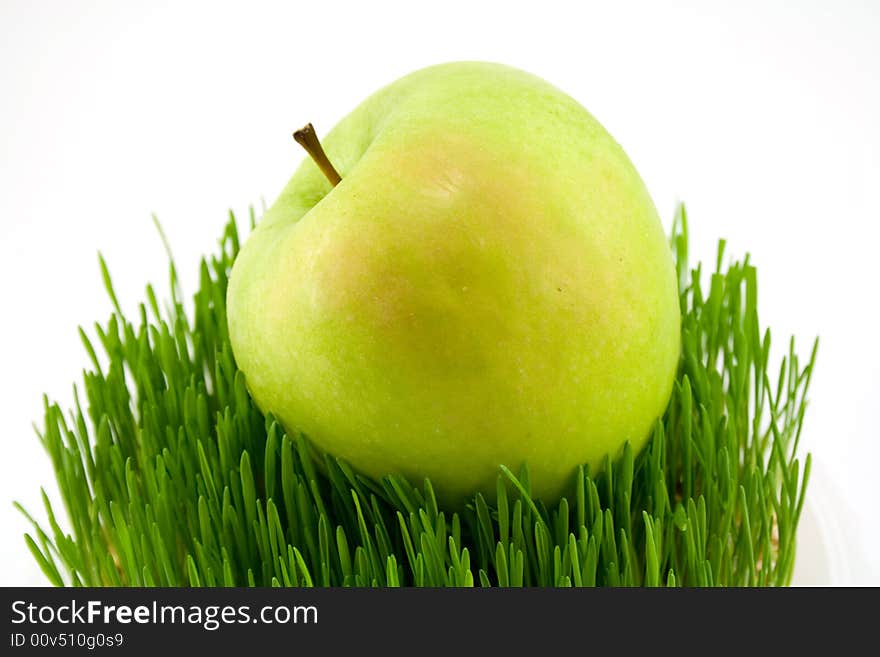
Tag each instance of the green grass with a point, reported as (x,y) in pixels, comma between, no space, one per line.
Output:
(170,475)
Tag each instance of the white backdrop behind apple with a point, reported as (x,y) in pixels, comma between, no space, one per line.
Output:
(761,117)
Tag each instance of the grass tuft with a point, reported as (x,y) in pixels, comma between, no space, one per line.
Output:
(170,475)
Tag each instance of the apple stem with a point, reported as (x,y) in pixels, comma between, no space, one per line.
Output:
(307,138)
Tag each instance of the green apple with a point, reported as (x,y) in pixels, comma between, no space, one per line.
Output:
(488,284)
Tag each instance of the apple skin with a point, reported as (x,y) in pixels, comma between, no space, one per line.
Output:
(489,284)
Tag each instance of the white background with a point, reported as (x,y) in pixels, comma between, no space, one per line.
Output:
(764,118)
